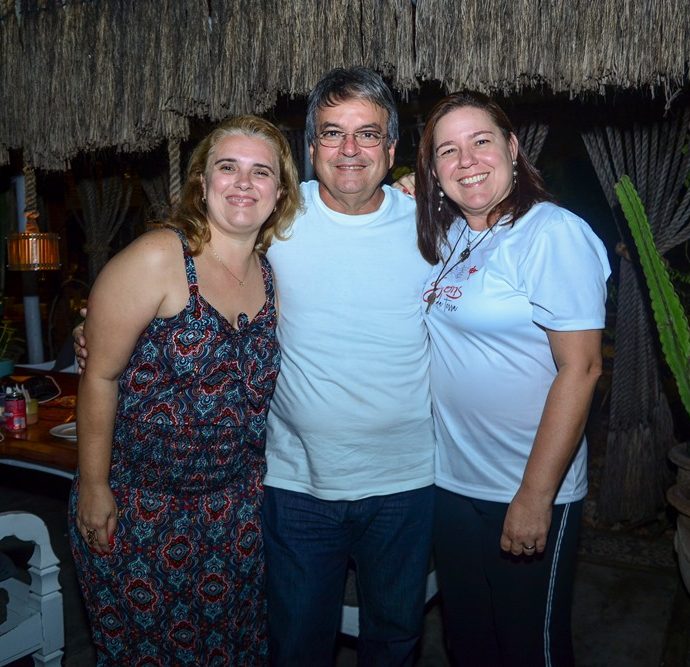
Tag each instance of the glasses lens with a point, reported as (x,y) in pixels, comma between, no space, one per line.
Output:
(331,138)
(368,139)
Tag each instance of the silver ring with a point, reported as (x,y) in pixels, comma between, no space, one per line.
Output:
(530,548)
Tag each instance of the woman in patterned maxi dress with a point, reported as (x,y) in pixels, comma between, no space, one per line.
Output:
(164,510)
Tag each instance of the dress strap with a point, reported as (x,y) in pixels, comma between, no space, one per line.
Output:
(189,266)
(267,272)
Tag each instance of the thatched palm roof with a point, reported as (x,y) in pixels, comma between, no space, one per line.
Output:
(78,75)
(576,46)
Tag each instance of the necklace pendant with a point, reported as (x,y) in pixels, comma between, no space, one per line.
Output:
(465,254)
(430,302)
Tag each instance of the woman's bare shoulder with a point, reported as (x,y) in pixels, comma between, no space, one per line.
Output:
(158,248)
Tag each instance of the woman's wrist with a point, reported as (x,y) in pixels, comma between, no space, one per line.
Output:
(535,496)
(85,481)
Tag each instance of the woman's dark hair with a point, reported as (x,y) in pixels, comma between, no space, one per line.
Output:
(432,224)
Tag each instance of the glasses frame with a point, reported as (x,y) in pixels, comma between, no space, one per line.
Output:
(345,135)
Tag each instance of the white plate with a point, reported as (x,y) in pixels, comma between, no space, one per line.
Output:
(68,431)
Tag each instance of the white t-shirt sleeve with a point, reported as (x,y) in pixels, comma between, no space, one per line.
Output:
(564,274)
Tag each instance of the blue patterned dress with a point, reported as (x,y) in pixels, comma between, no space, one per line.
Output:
(184,584)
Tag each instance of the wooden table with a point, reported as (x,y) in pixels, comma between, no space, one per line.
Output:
(35,447)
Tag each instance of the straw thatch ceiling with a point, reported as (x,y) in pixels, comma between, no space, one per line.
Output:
(570,45)
(78,75)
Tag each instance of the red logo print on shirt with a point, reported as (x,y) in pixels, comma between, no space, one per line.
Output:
(451,292)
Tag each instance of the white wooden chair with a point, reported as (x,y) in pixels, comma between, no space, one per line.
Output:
(34,623)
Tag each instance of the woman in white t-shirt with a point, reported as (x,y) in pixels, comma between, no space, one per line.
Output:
(514,308)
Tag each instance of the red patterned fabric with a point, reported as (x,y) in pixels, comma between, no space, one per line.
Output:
(184,584)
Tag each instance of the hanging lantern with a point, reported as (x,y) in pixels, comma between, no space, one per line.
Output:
(33,250)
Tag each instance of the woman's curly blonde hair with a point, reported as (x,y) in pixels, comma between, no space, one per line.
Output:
(189,216)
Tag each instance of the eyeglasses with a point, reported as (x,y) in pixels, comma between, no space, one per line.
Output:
(363,138)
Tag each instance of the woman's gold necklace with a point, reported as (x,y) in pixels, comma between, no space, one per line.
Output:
(241,282)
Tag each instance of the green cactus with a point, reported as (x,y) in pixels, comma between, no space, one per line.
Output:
(670,318)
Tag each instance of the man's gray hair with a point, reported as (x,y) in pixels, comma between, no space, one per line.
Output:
(360,83)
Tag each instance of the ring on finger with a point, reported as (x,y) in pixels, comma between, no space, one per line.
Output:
(531,547)
(90,537)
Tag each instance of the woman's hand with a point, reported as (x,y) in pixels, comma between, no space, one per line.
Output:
(526,525)
(97,516)
(406,184)
(80,351)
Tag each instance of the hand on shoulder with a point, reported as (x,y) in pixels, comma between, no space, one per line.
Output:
(406,184)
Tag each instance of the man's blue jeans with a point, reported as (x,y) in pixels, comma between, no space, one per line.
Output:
(308,544)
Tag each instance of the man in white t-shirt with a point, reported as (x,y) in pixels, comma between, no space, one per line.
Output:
(350,438)
(350,445)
